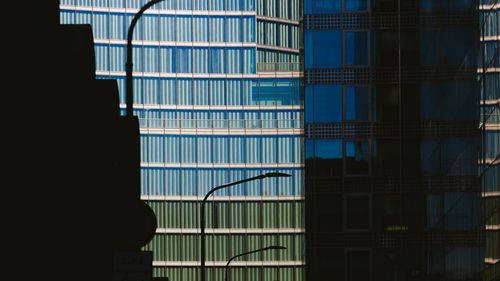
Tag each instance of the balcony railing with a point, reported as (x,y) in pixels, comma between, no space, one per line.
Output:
(279,67)
(220,124)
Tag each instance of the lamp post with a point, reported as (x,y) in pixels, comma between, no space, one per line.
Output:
(129,64)
(202,211)
(248,253)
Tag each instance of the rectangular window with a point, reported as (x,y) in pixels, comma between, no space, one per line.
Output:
(323,6)
(357,157)
(355,5)
(328,156)
(356,103)
(326,46)
(327,103)
(356,48)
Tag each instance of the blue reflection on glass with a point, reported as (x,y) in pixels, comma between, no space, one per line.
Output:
(275,92)
(322,6)
(356,103)
(355,5)
(491,178)
(284,91)
(309,149)
(356,48)
(448,101)
(434,211)
(462,210)
(357,157)
(267,93)
(455,46)
(328,158)
(329,149)
(463,263)
(459,156)
(309,104)
(326,48)
(447,5)
(328,103)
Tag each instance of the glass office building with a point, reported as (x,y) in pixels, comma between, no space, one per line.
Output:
(489,70)
(392,140)
(217,90)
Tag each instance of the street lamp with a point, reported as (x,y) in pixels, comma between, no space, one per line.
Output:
(248,253)
(202,211)
(129,64)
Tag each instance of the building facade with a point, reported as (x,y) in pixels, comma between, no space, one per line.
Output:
(217,90)
(489,70)
(392,140)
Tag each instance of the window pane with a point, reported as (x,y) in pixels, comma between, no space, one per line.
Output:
(355,5)
(356,103)
(329,157)
(356,48)
(327,48)
(323,6)
(328,103)
(357,157)
(357,212)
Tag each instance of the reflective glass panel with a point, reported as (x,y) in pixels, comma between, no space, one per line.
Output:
(355,5)
(357,157)
(356,103)
(328,103)
(356,48)
(326,47)
(322,6)
(328,157)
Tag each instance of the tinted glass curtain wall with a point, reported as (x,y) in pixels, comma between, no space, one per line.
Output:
(392,140)
(489,77)
(218,96)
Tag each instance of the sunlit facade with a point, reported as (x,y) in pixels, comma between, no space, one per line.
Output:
(218,95)
(392,140)
(489,77)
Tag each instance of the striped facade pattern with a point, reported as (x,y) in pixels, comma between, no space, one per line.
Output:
(490,87)
(218,96)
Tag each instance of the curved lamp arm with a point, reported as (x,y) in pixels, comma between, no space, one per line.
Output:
(129,64)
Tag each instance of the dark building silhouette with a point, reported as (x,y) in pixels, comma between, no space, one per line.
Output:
(73,209)
(392,141)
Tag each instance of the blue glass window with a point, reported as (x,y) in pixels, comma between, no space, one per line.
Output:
(308,104)
(356,48)
(328,103)
(357,157)
(356,103)
(323,6)
(217,60)
(491,177)
(284,92)
(184,60)
(355,5)
(462,210)
(466,262)
(326,46)
(328,157)
(266,93)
